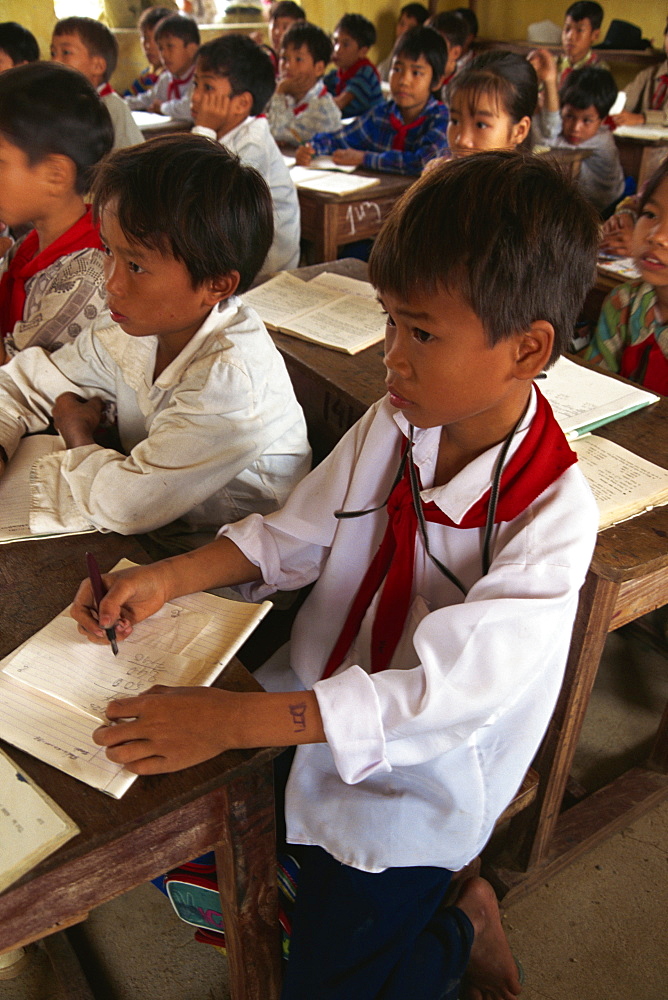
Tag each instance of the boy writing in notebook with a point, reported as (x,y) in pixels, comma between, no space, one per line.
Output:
(53,130)
(400,135)
(233,81)
(400,773)
(208,425)
(89,46)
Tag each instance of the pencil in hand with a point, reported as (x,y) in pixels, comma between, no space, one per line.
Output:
(99,590)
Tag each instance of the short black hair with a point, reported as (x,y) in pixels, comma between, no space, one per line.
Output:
(95,36)
(191,198)
(19,43)
(178,26)
(652,184)
(589,86)
(506,77)
(417,11)
(423,41)
(318,42)
(469,16)
(509,233)
(452,26)
(359,28)
(588,9)
(46,108)
(286,8)
(152,16)
(247,66)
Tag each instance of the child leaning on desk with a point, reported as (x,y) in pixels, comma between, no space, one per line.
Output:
(400,135)
(632,333)
(425,663)
(209,426)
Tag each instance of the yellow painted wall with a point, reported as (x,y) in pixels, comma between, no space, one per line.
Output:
(37,16)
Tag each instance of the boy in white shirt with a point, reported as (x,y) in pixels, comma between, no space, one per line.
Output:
(208,423)
(90,47)
(177,38)
(301,104)
(234,79)
(426,661)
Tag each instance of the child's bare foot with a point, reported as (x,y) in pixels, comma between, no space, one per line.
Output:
(491,973)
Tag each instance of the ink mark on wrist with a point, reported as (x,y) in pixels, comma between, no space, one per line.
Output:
(298,713)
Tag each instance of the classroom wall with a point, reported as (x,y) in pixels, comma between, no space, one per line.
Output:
(38,17)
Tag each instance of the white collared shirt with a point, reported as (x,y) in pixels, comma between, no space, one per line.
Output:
(423,757)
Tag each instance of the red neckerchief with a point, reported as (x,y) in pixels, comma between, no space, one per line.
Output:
(175,84)
(401,129)
(27,261)
(591,60)
(105,89)
(447,79)
(646,364)
(298,108)
(542,456)
(342,76)
(659,95)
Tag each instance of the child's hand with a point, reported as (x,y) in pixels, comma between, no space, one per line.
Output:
(304,154)
(545,65)
(77,419)
(132,595)
(155,107)
(169,728)
(211,111)
(628,118)
(348,157)
(617,234)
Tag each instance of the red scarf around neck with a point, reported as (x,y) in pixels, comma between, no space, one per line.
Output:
(344,75)
(660,91)
(402,129)
(175,84)
(542,456)
(28,261)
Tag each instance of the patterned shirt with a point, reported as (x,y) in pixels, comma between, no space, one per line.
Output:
(292,121)
(631,339)
(387,142)
(565,66)
(361,80)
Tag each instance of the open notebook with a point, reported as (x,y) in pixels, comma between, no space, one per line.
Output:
(55,686)
(32,825)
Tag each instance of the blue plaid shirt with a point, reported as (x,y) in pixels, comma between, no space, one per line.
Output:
(374,133)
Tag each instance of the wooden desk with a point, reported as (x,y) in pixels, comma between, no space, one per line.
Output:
(329,221)
(640,157)
(162,821)
(628,577)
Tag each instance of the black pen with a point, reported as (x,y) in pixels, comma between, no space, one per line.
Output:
(99,590)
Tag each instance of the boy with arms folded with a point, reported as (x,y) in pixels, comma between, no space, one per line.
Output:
(89,46)
(355,84)
(400,135)
(426,661)
(301,104)
(233,81)
(209,426)
(53,129)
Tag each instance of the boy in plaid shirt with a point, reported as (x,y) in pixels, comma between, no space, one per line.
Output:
(402,134)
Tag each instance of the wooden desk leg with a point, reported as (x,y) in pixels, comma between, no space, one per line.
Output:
(327,244)
(246,863)
(531,831)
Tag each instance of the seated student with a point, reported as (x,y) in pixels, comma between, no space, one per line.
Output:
(209,426)
(17,45)
(402,134)
(354,84)
(471,21)
(586,99)
(411,15)
(148,77)
(301,104)
(400,773)
(233,81)
(632,334)
(53,129)
(177,38)
(283,15)
(454,31)
(582,27)
(647,94)
(89,46)
(491,104)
